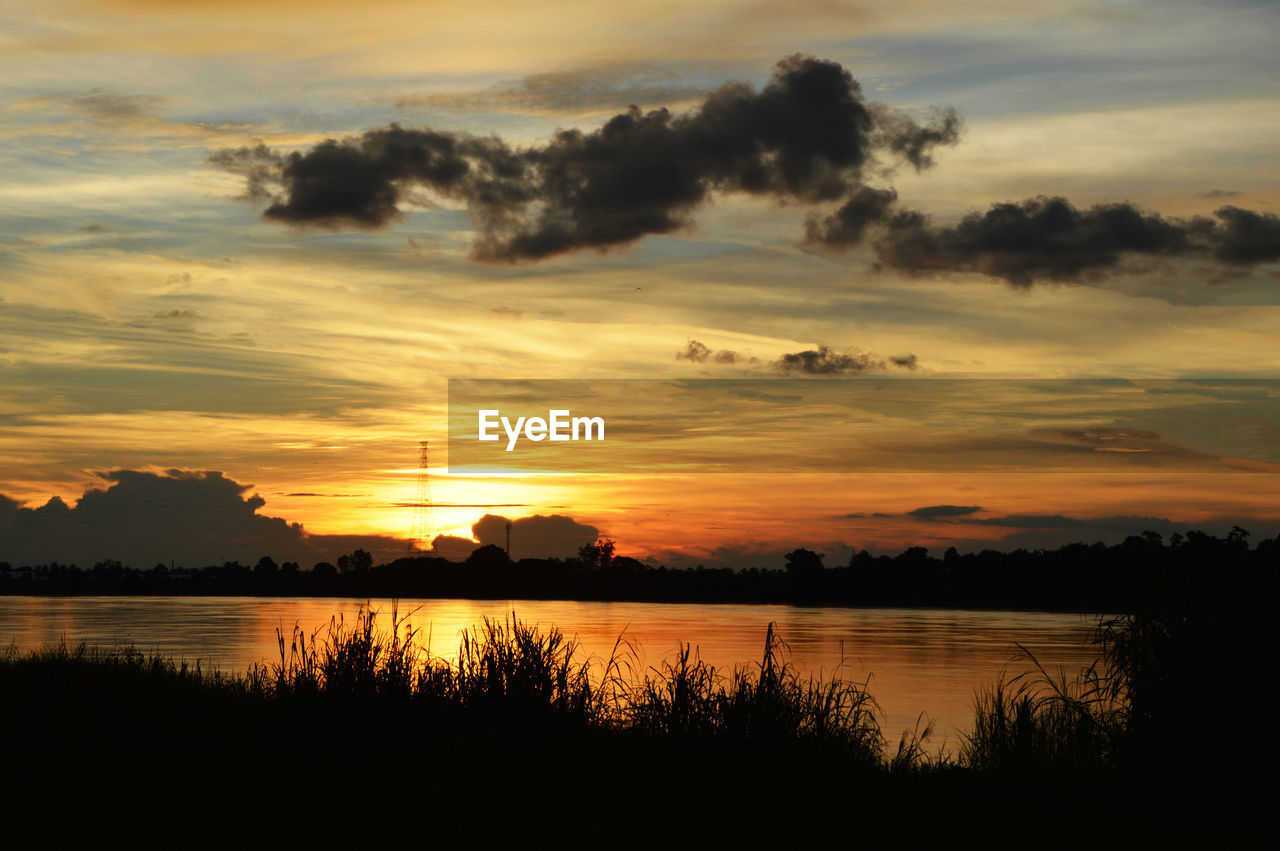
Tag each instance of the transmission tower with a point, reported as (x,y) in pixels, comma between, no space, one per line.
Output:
(420,531)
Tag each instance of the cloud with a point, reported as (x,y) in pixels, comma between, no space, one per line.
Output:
(931,512)
(452,547)
(576,91)
(539,536)
(1045,238)
(99,113)
(821,361)
(1244,237)
(695,351)
(189,518)
(257,164)
(728,357)
(1119,441)
(1039,238)
(908,361)
(827,361)
(847,225)
(698,352)
(106,107)
(1126,524)
(807,136)
(1049,531)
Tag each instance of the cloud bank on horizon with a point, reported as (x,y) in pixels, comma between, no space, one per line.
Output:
(187,518)
(199,518)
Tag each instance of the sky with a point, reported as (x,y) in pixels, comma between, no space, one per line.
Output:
(244,246)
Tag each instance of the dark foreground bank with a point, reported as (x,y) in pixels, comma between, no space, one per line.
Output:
(357,736)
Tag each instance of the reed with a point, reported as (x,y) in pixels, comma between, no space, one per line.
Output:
(508,677)
(1146,700)
(767,704)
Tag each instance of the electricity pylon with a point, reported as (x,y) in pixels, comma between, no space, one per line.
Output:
(420,531)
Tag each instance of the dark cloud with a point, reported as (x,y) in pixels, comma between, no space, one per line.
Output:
(1038,521)
(539,536)
(1244,237)
(930,512)
(847,225)
(827,361)
(1044,238)
(745,555)
(332,495)
(910,362)
(699,352)
(1039,238)
(1032,531)
(915,142)
(821,361)
(189,518)
(258,165)
(1221,193)
(808,135)
(452,547)
(695,351)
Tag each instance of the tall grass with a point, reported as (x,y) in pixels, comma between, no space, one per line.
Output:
(505,670)
(1038,720)
(767,703)
(508,678)
(1162,681)
(1035,720)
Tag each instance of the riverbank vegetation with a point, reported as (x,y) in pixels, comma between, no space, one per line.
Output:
(519,726)
(1152,682)
(1134,575)
(509,680)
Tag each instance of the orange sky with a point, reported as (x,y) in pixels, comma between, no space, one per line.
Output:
(151,319)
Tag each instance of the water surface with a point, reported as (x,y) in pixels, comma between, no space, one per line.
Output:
(918,660)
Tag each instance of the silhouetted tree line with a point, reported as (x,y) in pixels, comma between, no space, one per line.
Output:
(1084,577)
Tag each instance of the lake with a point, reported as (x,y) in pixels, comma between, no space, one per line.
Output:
(919,660)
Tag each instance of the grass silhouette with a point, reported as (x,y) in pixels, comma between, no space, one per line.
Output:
(510,679)
(520,729)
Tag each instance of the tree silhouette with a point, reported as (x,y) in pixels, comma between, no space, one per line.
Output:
(598,555)
(488,557)
(804,562)
(358,562)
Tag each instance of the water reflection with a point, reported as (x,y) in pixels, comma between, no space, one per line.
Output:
(919,660)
